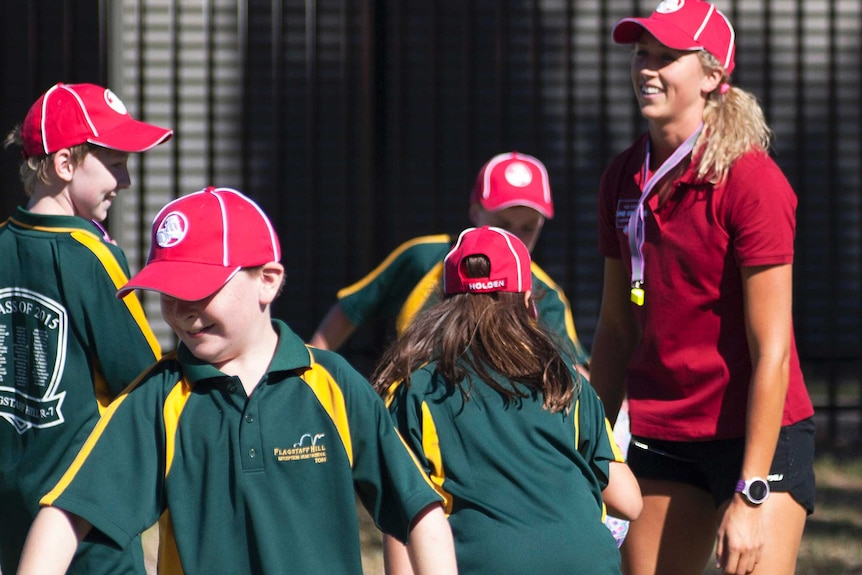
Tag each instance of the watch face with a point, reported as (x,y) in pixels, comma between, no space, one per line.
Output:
(758,490)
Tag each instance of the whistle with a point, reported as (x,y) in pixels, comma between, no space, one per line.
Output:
(637,294)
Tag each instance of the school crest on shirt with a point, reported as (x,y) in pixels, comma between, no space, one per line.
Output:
(33,335)
(309,447)
(669,6)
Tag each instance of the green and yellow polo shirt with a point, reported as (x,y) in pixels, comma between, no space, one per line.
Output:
(260,484)
(522,486)
(68,347)
(409,280)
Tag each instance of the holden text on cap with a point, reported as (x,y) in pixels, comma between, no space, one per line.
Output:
(492,284)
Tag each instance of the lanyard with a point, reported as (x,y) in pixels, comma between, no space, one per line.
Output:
(636,220)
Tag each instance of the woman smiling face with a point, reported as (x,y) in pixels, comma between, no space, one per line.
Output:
(671,86)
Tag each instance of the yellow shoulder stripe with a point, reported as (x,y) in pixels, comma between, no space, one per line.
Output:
(417,298)
(118,276)
(389,396)
(171,410)
(618,453)
(431,430)
(431,448)
(389,259)
(329,394)
(570,322)
(419,467)
(577,420)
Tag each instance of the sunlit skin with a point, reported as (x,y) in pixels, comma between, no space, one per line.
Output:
(525,223)
(98,179)
(86,189)
(671,87)
(230,329)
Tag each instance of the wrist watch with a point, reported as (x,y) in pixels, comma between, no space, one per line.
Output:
(755,490)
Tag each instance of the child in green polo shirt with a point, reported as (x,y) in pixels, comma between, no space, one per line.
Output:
(512,191)
(512,436)
(67,345)
(246,444)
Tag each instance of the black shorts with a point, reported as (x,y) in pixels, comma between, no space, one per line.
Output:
(714,466)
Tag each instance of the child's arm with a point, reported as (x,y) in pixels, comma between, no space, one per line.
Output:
(334,330)
(622,496)
(396,561)
(52,542)
(431,547)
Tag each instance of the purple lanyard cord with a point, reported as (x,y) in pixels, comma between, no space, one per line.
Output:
(636,220)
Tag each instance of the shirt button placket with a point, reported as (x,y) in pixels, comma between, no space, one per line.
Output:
(250,437)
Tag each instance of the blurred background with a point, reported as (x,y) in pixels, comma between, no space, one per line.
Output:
(358,124)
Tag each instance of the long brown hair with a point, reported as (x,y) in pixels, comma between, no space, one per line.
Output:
(480,333)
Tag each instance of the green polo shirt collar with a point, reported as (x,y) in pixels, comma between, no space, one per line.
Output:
(29,219)
(291,354)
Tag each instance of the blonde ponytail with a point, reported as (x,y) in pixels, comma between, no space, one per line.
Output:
(733,124)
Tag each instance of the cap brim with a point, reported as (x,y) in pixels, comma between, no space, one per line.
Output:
(628,30)
(187,281)
(132,136)
(545,210)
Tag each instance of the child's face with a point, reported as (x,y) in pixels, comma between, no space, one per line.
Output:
(525,223)
(96,181)
(227,326)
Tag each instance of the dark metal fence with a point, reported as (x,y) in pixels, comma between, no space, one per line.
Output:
(358,124)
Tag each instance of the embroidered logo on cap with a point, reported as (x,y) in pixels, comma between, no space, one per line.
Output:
(172,230)
(115,103)
(669,6)
(518,174)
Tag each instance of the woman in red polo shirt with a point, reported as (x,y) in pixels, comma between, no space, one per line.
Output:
(696,223)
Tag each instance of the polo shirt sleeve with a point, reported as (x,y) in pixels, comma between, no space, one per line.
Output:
(609,244)
(414,421)
(381,293)
(619,192)
(389,482)
(760,212)
(595,440)
(555,314)
(116,481)
(405,408)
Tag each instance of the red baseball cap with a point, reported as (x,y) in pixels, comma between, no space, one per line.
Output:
(72,114)
(513,179)
(684,25)
(509,258)
(201,240)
